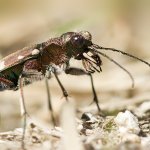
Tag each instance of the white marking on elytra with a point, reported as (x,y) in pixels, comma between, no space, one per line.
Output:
(2,65)
(20,57)
(35,52)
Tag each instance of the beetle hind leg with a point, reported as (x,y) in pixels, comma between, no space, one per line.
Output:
(24,112)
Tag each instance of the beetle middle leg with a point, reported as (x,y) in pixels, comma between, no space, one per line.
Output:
(65,94)
(78,71)
(49,102)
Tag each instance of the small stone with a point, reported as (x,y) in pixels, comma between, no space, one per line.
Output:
(145,141)
(127,122)
(144,107)
(131,138)
(89,132)
(32,125)
(79,127)
(58,129)
(88,117)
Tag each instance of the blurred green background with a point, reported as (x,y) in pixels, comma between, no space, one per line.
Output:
(122,24)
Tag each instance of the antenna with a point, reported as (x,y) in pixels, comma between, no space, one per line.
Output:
(116,63)
(112,60)
(119,51)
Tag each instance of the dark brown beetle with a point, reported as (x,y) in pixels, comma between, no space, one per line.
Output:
(53,56)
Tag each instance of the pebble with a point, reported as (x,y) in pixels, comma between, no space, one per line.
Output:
(127,122)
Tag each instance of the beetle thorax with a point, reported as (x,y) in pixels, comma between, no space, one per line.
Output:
(54,55)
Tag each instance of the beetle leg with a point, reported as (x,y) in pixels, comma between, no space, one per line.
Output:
(49,102)
(95,99)
(33,69)
(75,71)
(78,71)
(23,110)
(65,94)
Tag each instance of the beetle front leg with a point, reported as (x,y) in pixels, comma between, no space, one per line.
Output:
(78,71)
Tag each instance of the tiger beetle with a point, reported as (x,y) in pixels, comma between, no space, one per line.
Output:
(40,61)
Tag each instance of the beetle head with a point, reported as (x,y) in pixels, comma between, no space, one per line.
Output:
(77,45)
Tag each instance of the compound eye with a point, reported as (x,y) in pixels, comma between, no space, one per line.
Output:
(77,41)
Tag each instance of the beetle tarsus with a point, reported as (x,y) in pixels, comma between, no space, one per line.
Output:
(49,103)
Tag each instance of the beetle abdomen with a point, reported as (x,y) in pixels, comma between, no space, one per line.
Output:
(6,84)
